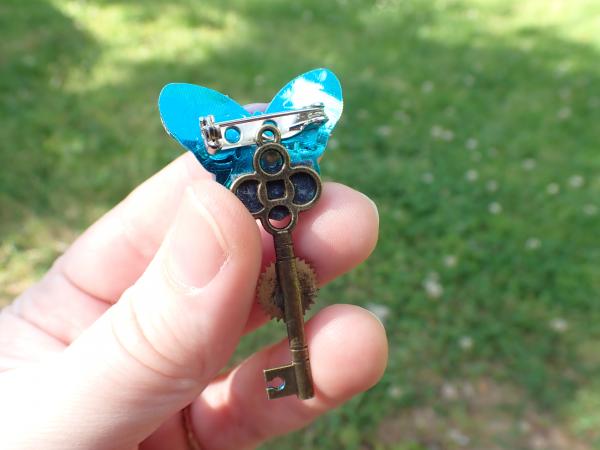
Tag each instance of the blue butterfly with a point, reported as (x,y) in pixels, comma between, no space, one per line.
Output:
(182,106)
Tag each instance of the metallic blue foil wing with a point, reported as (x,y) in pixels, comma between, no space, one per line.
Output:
(182,106)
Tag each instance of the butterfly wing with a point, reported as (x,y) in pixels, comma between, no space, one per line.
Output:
(181,105)
(316,86)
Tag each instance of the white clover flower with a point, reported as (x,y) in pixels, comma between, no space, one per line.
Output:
(439,132)
(458,437)
(495,208)
(468,390)
(553,189)
(559,325)
(524,426)
(401,116)
(450,260)
(533,243)
(492,185)
(529,164)
(564,113)
(576,181)
(472,143)
(427,177)
(432,287)
(590,210)
(427,86)
(447,135)
(472,175)
(449,391)
(465,342)
(362,114)
(381,311)
(384,131)
(395,391)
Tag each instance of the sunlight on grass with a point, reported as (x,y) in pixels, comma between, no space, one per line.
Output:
(25,254)
(578,21)
(584,412)
(167,36)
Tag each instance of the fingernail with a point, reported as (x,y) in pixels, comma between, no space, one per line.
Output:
(197,249)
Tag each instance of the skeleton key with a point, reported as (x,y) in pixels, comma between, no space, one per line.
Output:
(270,161)
(283,191)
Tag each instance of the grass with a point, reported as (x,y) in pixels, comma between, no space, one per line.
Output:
(478,123)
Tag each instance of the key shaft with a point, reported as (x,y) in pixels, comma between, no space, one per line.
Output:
(287,275)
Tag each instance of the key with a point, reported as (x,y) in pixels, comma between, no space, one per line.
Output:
(276,192)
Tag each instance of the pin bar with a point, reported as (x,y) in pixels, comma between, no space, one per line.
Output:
(241,132)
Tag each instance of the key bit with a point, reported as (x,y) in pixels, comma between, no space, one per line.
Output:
(276,193)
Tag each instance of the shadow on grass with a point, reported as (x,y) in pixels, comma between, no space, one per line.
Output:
(40,45)
(430,96)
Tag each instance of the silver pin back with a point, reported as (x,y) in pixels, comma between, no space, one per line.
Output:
(241,132)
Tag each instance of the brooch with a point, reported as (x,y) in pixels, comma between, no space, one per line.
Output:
(270,161)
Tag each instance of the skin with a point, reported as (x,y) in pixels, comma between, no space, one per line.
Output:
(139,316)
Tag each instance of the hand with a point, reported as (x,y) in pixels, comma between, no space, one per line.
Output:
(136,320)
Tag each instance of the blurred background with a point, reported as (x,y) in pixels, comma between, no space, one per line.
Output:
(474,125)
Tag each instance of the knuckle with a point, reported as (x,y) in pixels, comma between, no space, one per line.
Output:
(151,348)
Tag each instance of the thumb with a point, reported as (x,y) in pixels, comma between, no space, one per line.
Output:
(163,341)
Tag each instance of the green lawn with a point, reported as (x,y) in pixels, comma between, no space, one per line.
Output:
(474,125)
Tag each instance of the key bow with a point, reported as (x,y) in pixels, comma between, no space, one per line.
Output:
(276,189)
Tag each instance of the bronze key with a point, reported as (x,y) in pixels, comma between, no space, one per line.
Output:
(296,377)
(276,193)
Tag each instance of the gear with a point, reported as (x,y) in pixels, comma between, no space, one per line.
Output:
(270,297)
